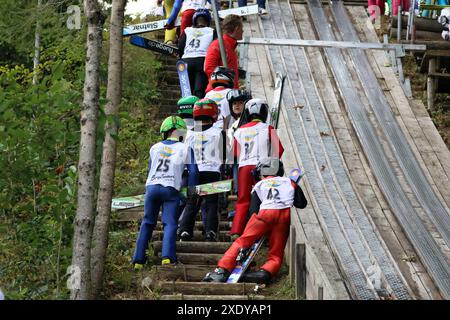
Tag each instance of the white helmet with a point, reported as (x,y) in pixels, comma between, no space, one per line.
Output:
(257,107)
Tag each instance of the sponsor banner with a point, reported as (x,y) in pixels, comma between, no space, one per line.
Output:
(127,202)
(153,45)
(146,27)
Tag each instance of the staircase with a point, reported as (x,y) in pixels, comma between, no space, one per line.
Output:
(183,281)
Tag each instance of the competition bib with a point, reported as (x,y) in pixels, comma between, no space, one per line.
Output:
(197,41)
(275,193)
(167,165)
(253,142)
(207,149)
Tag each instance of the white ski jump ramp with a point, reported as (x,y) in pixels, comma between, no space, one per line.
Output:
(369,230)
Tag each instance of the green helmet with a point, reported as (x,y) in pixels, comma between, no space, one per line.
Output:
(185,106)
(172,122)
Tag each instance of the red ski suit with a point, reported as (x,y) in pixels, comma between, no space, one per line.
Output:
(273,222)
(213,59)
(245,178)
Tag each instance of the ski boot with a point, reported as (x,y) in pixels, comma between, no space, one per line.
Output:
(218,275)
(210,236)
(138,266)
(167,262)
(261,276)
(185,236)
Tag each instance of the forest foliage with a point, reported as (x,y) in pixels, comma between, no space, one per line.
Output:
(39,141)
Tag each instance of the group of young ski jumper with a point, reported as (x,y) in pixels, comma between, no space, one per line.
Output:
(206,142)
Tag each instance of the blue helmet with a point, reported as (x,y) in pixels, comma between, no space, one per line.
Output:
(199,13)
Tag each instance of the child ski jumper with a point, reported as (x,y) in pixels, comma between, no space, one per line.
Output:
(272,198)
(208,145)
(167,161)
(236,100)
(222,81)
(253,142)
(188,8)
(192,47)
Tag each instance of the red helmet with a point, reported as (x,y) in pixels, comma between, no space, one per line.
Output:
(205,109)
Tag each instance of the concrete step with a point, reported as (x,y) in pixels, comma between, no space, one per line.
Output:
(224,236)
(206,288)
(196,246)
(182,272)
(198,258)
(211,297)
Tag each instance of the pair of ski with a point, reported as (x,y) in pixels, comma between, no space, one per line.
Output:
(159,25)
(246,256)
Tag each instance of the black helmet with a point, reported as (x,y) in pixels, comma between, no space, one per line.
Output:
(222,76)
(237,95)
(269,167)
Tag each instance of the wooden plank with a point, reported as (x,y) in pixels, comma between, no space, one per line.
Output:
(224,236)
(196,246)
(182,272)
(300,271)
(206,288)
(199,258)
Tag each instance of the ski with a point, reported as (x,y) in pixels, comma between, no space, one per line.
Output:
(274,113)
(246,256)
(184,78)
(244,259)
(147,27)
(159,25)
(154,45)
(201,190)
(241,11)
(127,202)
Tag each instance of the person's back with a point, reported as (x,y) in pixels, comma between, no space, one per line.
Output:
(208,144)
(167,161)
(193,45)
(232,28)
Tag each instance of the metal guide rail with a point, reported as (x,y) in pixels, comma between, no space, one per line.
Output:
(353,270)
(426,247)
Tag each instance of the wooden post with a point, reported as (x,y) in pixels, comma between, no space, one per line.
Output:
(431,84)
(292,256)
(320,293)
(300,271)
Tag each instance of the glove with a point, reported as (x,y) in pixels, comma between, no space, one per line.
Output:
(170,26)
(191,192)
